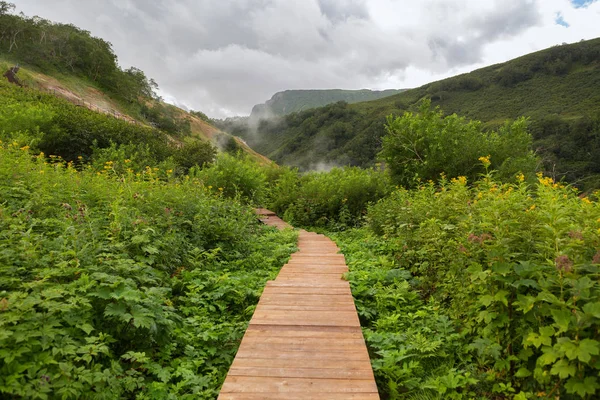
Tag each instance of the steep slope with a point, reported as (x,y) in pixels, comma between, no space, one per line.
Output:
(78,90)
(70,63)
(558,88)
(290,101)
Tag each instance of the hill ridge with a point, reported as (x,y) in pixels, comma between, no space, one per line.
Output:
(295,100)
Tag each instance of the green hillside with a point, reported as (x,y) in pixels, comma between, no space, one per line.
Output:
(557,88)
(290,101)
(71,64)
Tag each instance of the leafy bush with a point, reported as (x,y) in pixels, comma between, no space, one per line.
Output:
(507,284)
(419,147)
(334,199)
(57,127)
(123,288)
(235,178)
(195,154)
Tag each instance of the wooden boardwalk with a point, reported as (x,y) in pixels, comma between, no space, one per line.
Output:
(304,340)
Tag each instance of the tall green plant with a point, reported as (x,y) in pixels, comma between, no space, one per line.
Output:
(419,147)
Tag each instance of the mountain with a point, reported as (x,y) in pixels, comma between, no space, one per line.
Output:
(290,101)
(557,88)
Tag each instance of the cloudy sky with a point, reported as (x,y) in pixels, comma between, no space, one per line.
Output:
(224,56)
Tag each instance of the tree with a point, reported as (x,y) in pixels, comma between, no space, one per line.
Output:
(422,146)
(6,7)
(195,154)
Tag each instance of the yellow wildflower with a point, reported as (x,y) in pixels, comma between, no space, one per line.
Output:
(221,189)
(520,177)
(25,148)
(546,181)
(586,200)
(127,161)
(169,171)
(462,180)
(485,160)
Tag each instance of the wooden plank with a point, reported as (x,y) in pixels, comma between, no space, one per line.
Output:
(306,315)
(303,348)
(313,308)
(306,331)
(299,342)
(298,396)
(311,358)
(290,372)
(244,384)
(306,290)
(300,363)
(343,343)
(322,285)
(324,301)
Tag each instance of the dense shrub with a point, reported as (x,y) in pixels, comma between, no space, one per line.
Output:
(420,147)
(334,199)
(482,291)
(57,127)
(235,178)
(123,286)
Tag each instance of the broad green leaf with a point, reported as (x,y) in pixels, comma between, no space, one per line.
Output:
(523,373)
(563,369)
(150,250)
(501,297)
(584,350)
(592,309)
(524,303)
(118,310)
(562,318)
(548,357)
(87,328)
(582,387)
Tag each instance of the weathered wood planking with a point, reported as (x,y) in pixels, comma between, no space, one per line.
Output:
(304,340)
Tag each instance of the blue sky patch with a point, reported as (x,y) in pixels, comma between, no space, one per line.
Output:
(581,3)
(560,20)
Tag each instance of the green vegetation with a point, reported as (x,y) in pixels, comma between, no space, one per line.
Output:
(421,147)
(68,49)
(131,260)
(57,127)
(469,291)
(336,200)
(558,89)
(467,288)
(291,101)
(122,285)
(83,69)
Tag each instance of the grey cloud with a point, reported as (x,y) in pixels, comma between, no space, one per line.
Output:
(222,57)
(464,45)
(341,10)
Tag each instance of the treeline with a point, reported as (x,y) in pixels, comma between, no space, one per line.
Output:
(65,48)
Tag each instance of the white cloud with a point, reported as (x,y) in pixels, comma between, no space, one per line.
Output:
(223,57)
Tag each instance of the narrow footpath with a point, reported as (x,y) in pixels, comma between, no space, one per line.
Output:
(304,340)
